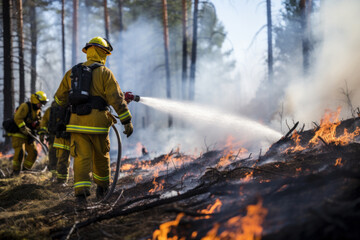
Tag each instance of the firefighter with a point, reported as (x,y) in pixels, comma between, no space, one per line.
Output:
(62,146)
(44,130)
(90,120)
(27,118)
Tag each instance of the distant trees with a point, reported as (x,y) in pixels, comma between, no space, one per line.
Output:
(184,49)
(21,51)
(305,10)
(8,90)
(191,32)
(63,36)
(269,33)
(34,40)
(193,52)
(293,35)
(75,32)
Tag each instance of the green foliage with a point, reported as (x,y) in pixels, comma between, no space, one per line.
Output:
(288,38)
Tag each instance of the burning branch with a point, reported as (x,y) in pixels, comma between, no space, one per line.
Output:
(291,130)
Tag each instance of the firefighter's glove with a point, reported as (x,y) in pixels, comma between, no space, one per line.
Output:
(42,137)
(128,129)
(25,130)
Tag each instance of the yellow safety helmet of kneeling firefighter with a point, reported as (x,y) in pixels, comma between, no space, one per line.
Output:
(39,97)
(100,42)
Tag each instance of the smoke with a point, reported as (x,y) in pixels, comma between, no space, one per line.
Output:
(336,63)
(217,91)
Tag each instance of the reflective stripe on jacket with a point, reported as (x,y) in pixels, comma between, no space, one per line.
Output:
(104,85)
(22,113)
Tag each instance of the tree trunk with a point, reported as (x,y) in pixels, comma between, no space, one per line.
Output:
(8,90)
(33,30)
(305,8)
(166,48)
(184,50)
(106,21)
(21,51)
(63,35)
(269,31)
(121,26)
(193,52)
(74,34)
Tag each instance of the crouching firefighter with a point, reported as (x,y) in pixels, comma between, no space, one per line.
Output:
(62,144)
(47,132)
(90,88)
(27,119)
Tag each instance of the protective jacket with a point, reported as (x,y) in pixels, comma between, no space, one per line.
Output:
(20,141)
(21,119)
(103,85)
(45,121)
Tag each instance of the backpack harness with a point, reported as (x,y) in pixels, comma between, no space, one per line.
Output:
(80,99)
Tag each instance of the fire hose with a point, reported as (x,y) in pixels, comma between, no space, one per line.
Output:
(43,146)
(118,165)
(128,98)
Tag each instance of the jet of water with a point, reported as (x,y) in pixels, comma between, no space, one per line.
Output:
(212,116)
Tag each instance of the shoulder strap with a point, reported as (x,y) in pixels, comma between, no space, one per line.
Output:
(28,116)
(95,65)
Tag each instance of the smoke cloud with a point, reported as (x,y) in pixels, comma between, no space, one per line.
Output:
(336,63)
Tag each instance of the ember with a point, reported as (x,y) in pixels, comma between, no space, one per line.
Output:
(212,208)
(338,162)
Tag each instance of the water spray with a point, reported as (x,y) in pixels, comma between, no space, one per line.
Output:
(208,115)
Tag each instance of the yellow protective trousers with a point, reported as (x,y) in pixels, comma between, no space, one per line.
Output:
(63,164)
(52,154)
(90,150)
(21,145)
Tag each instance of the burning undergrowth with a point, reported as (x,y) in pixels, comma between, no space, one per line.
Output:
(299,189)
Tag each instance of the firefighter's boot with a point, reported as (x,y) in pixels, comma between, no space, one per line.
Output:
(101,192)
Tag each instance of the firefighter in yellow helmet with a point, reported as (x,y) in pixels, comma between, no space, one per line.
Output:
(27,118)
(90,119)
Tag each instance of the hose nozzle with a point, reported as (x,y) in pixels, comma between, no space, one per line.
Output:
(129,96)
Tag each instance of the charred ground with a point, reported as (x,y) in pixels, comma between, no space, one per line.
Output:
(311,193)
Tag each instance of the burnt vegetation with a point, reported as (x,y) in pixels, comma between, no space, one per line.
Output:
(305,193)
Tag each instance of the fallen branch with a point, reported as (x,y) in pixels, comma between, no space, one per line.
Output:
(291,130)
(120,212)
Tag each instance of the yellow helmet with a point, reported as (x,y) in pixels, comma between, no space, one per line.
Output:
(100,42)
(39,97)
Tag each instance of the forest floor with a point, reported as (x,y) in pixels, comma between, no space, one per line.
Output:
(296,190)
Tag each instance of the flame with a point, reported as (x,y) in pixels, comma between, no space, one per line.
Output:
(224,160)
(296,138)
(248,176)
(157,186)
(241,228)
(338,162)
(327,130)
(127,167)
(211,208)
(5,155)
(194,235)
(298,169)
(165,228)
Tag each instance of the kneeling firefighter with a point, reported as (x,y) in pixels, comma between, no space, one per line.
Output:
(27,118)
(90,88)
